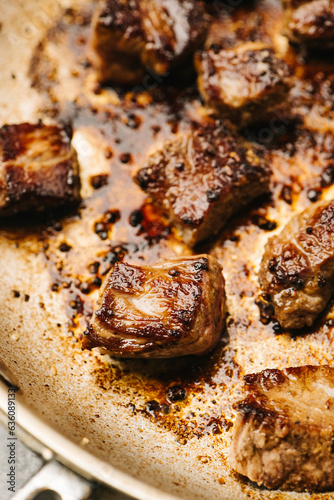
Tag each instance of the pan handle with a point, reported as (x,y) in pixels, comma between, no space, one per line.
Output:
(55,482)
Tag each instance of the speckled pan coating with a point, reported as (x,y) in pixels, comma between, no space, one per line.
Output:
(166,422)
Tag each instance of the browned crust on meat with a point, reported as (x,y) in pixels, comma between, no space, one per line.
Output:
(310,22)
(297,267)
(276,445)
(244,83)
(201,178)
(38,168)
(192,288)
(129,38)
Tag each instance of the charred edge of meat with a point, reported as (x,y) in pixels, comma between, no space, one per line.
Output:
(235,176)
(39,168)
(131,41)
(189,299)
(310,23)
(297,266)
(254,67)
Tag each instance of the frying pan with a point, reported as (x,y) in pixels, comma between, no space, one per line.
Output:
(114,420)
(52,444)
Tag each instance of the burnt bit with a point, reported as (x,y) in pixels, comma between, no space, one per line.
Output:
(133,121)
(201,265)
(215,47)
(176,393)
(266,309)
(321,281)
(15,294)
(115,254)
(94,267)
(103,226)
(135,218)
(132,407)
(125,157)
(97,282)
(265,224)
(64,247)
(152,407)
(272,266)
(84,287)
(98,181)
(213,194)
(277,327)
(100,230)
(77,304)
(313,195)
(327,177)
(174,273)
(57,226)
(286,194)
(108,154)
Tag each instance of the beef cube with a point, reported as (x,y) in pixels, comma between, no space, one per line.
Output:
(283,436)
(131,37)
(297,268)
(310,22)
(201,178)
(173,308)
(38,168)
(244,83)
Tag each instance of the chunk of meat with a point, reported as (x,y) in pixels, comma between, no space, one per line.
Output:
(201,178)
(244,83)
(283,436)
(131,37)
(258,21)
(172,308)
(297,268)
(312,101)
(38,168)
(310,22)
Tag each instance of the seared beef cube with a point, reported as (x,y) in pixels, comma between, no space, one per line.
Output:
(38,168)
(131,37)
(283,436)
(201,178)
(251,21)
(244,83)
(172,308)
(297,269)
(310,22)
(312,102)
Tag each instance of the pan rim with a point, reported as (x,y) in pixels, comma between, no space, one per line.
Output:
(56,445)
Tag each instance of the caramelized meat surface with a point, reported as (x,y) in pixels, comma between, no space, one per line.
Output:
(133,37)
(310,22)
(244,83)
(312,101)
(297,268)
(38,168)
(283,436)
(173,308)
(258,21)
(201,178)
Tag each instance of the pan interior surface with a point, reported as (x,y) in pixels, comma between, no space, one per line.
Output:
(119,411)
